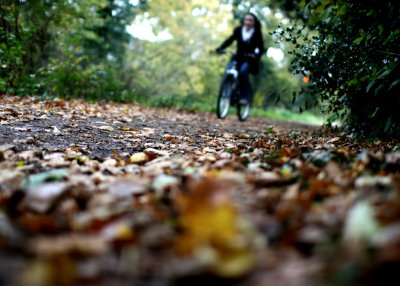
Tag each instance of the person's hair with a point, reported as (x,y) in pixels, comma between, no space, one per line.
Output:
(257,22)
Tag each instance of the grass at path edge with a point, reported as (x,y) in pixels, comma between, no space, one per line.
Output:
(274,113)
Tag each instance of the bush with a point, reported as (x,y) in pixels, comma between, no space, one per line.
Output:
(351,50)
(72,77)
(65,48)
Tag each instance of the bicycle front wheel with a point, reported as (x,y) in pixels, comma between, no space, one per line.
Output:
(243,111)
(224,98)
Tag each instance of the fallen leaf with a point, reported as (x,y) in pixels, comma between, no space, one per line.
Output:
(41,198)
(156,153)
(333,140)
(360,228)
(163,182)
(139,158)
(212,230)
(168,137)
(78,244)
(106,128)
(126,188)
(39,179)
(373,181)
(11,178)
(56,131)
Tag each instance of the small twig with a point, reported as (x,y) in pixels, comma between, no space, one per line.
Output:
(390,53)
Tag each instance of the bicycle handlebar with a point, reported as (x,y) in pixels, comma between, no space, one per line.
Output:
(228,52)
(235,54)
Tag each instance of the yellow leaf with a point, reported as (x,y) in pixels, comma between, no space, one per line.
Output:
(125,128)
(20,163)
(235,262)
(213,230)
(139,158)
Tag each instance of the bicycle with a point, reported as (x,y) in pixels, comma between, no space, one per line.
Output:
(229,93)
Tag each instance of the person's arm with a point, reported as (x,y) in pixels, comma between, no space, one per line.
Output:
(260,47)
(228,42)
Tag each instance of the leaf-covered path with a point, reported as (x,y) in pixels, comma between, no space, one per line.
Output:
(115,194)
(100,129)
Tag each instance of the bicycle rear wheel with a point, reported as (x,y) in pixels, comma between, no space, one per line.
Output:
(224,98)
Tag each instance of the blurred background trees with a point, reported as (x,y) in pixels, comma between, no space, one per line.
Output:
(158,51)
(338,57)
(64,48)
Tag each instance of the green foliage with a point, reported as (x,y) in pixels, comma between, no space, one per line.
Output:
(285,114)
(109,38)
(65,48)
(71,48)
(183,66)
(351,50)
(68,77)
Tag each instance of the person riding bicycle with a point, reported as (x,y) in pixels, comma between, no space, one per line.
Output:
(250,49)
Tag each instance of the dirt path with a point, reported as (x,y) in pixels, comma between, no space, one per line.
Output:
(100,129)
(117,194)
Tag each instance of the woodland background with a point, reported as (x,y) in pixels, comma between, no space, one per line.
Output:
(159,52)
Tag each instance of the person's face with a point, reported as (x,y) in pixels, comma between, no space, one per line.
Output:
(249,22)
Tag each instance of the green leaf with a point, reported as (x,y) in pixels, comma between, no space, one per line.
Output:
(343,10)
(39,179)
(395,83)
(370,85)
(385,73)
(388,124)
(379,89)
(358,40)
(380,28)
(269,130)
(353,82)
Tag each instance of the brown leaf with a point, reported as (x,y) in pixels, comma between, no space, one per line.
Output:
(77,244)
(128,187)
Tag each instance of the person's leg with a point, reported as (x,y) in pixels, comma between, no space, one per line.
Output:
(231,64)
(244,82)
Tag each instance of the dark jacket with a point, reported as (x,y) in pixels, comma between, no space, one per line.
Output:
(249,47)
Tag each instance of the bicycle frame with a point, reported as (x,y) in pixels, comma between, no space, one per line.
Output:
(233,70)
(232,96)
